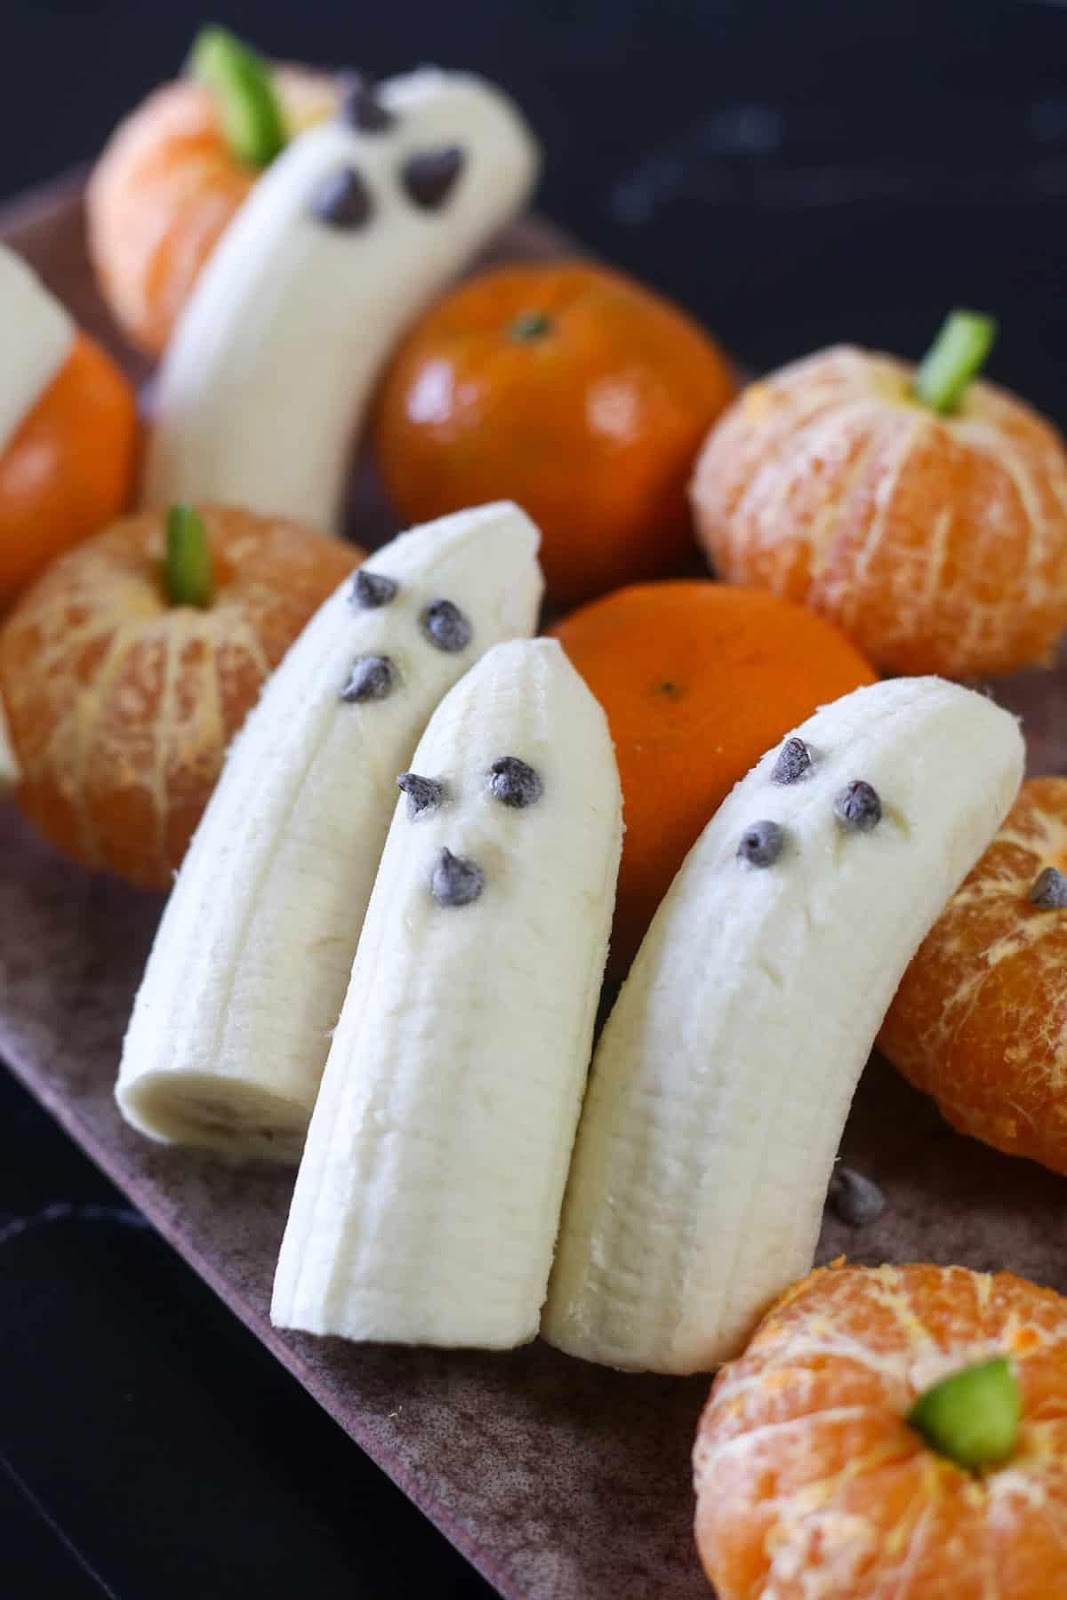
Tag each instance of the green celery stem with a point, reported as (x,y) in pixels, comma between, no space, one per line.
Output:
(242,86)
(187,571)
(954,359)
(972,1417)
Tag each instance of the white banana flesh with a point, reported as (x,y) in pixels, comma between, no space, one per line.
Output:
(341,243)
(428,1199)
(721,1084)
(9,766)
(231,1026)
(37,335)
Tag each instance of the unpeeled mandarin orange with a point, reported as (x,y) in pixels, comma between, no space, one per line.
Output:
(698,680)
(937,542)
(810,1481)
(120,705)
(980,1019)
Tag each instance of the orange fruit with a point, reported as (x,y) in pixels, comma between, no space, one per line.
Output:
(571,389)
(697,680)
(811,1483)
(120,706)
(938,543)
(163,190)
(980,1019)
(69,469)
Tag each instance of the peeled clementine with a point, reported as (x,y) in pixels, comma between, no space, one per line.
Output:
(980,1019)
(163,191)
(811,1482)
(120,705)
(697,680)
(937,542)
(571,389)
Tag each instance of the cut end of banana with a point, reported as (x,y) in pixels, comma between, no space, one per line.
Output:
(206,1113)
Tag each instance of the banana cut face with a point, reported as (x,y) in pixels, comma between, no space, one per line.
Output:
(722,1081)
(356,226)
(37,335)
(231,1025)
(428,1199)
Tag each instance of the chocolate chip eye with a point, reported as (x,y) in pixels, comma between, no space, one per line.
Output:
(342,200)
(855,1199)
(514,783)
(455,880)
(762,844)
(1049,890)
(858,808)
(445,626)
(424,794)
(360,107)
(370,590)
(429,176)
(794,762)
(372,678)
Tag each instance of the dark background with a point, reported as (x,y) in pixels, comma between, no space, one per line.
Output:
(795,172)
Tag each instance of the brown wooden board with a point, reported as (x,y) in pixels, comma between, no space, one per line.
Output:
(559,1481)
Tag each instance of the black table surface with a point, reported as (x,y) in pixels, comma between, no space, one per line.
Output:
(794,171)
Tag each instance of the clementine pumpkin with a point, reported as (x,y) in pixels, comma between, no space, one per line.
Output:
(937,540)
(816,1474)
(571,389)
(980,1019)
(120,704)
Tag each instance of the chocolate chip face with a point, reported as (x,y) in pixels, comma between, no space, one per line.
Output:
(855,1199)
(762,844)
(371,590)
(456,881)
(361,109)
(1049,890)
(429,176)
(514,783)
(424,794)
(372,678)
(445,626)
(794,762)
(342,200)
(858,808)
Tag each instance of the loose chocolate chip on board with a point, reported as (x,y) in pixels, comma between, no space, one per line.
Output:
(761,844)
(372,678)
(515,783)
(424,794)
(445,626)
(429,176)
(858,808)
(855,1199)
(455,880)
(361,109)
(342,200)
(794,762)
(1049,890)
(371,590)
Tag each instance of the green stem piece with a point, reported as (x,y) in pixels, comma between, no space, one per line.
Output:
(971,1417)
(241,85)
(187,574)
(956,356)
(529,326)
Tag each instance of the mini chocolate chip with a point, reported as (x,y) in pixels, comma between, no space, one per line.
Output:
(857,807)
(762,844)
(372,678)
(1049,890)
(373,589)
(445,626)
(424,794)
(514,783)
(855,1199)
(794,762)
(360,107)
(342,200)
(455,880)
(428,176)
